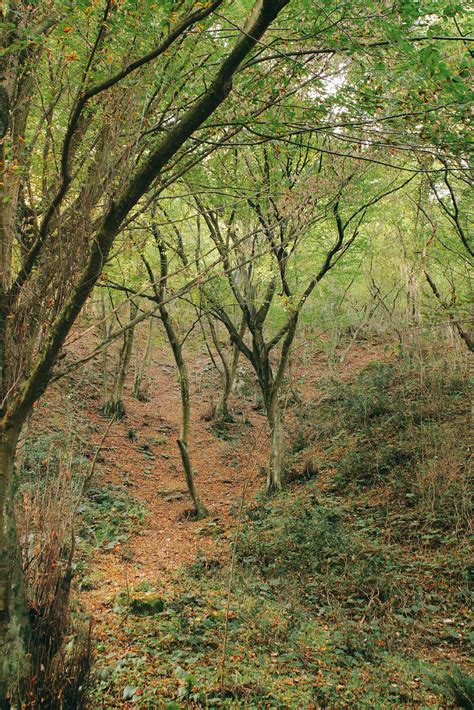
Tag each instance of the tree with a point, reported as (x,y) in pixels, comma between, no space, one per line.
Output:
(60,250)
(222,411)
(114,406)
(293,203)
(159,287)
(140,383)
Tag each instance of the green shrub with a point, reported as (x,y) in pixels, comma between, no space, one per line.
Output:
(311,546)
(142,603)
(453,684)
(108,516)
(373,461)
(366,399)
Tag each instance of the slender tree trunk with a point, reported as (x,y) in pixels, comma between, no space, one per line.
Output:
(199,507)
(115,406)
(277,445)
(177,349)
(183,439)
(14,624)
(236,351)
(104,330)
(21,443)
(222,410)
(139,392)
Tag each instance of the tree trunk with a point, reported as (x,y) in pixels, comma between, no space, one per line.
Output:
(139,392)
(14,625)
(277,446)
(115,406)
(176,347)
(236,353)
(104,332)
(455,323)
(199,507)
(222,411)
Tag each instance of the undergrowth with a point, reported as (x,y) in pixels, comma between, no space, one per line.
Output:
(399,424)
(108,515)
(350,590)
(62,522)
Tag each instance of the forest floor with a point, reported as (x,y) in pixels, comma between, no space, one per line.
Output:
(141,453)
(141,543)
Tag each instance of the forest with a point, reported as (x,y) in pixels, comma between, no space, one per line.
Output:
(236,331)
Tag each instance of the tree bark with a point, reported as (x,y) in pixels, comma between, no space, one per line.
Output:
(115,406)
(14,624)
(141,374)
(456,324)
(276,461)
(104,331)
(176,347)
(32,381)
(222,412)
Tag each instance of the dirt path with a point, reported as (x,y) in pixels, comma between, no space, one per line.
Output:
(141,454)
(141,451)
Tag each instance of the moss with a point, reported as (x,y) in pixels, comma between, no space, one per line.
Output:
(145,604)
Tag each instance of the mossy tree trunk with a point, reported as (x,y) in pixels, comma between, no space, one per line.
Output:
(55,282)
(222,411)
(115,406)
(276,463)
(14,623)
(271,384)
(105,329)
(139,384)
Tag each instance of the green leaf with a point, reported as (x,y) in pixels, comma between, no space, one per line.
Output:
(128,692)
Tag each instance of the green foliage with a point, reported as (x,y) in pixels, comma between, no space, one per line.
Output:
(368,398)
(372,462)
(297,633)
(399,423)
(141,603)
(108,514)
(310,546)
(385,97)
(336,599)
(453,684)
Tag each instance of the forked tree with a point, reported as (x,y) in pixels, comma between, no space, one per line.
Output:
(293,205)
(57,227)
